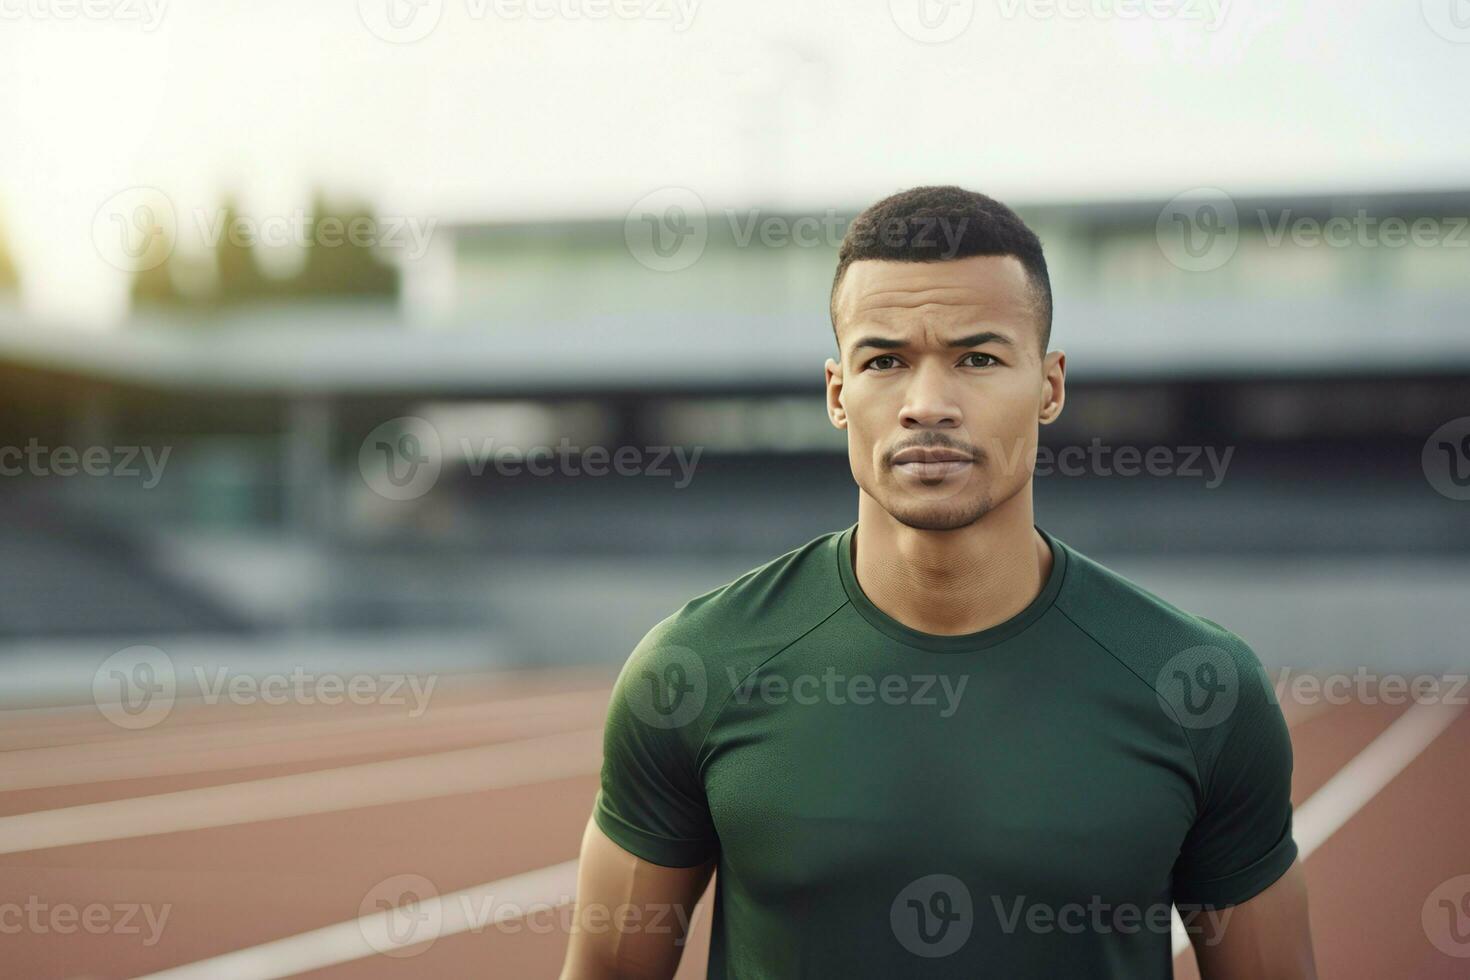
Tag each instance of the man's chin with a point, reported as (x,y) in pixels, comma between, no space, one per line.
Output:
(938,515)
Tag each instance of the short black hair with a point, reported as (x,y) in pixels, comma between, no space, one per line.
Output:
(934,224)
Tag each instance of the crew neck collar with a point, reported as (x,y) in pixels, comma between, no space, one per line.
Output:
(960,643)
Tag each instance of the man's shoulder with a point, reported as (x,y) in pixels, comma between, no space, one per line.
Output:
(732,629)
(1150,636)
(783,597)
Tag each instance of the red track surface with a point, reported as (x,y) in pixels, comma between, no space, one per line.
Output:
(241,884)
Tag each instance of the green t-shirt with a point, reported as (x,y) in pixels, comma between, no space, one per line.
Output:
(1025,801)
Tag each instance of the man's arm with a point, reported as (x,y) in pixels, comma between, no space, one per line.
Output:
(1266,938)
(631,915)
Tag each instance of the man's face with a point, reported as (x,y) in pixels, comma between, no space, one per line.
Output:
(941,385)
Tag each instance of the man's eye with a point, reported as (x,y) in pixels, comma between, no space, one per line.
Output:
(882,362)
(977,359)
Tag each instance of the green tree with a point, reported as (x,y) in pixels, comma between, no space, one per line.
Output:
(155,286)
(240,281)
(341,263)
(9,276)
(342,260)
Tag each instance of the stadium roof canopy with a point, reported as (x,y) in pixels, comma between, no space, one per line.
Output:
(560,309)
(354,351)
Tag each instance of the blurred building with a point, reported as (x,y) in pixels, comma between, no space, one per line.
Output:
(1312,365)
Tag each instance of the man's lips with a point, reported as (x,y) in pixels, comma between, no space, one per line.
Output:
(931,463)
(920,454)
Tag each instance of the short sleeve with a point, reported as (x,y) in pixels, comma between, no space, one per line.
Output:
(652,801)
(1241,841)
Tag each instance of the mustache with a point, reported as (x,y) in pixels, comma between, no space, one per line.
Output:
(935,440)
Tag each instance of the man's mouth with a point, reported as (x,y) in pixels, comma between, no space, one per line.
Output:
(931,462)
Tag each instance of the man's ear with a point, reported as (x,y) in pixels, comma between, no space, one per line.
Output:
(835,411)
(1053,386)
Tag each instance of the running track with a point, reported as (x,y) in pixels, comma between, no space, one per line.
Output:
(263,834)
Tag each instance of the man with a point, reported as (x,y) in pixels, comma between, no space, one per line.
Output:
(941,742)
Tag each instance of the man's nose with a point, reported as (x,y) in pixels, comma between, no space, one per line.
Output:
(930,402)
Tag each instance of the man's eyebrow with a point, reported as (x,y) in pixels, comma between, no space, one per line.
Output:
(973,340)
(984,337)
(882,343)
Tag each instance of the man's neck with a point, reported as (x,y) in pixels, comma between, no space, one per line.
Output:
(951,583)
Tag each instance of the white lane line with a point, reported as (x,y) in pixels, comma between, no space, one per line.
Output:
(1335,803)
(500,766)
(73,724)
(1350,788)
(206,748)
(469,909)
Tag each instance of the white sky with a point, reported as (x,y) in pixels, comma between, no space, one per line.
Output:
(808,104)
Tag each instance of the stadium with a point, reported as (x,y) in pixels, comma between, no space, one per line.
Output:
(321,559)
